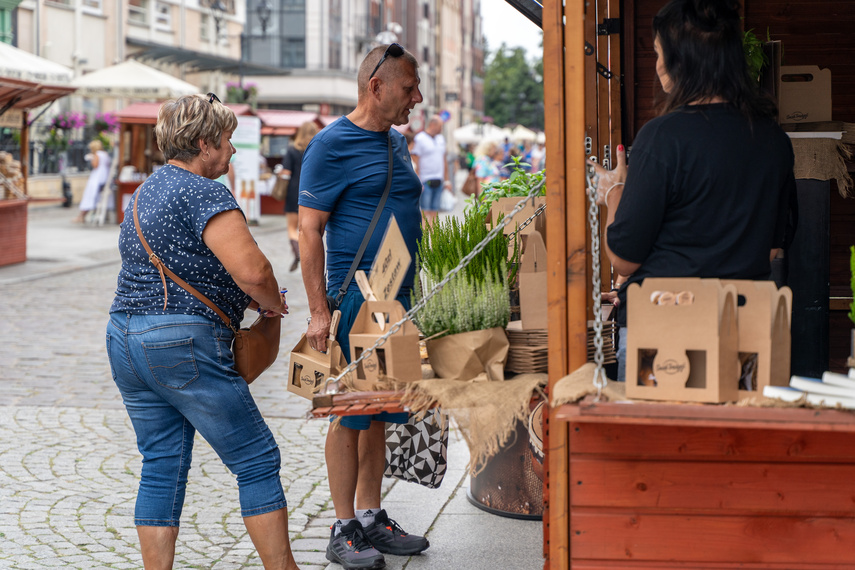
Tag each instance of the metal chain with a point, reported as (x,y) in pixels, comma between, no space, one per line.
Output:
(531,218)
(438,287)
(600,379)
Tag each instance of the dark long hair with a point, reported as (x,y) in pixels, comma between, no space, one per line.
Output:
(701,44)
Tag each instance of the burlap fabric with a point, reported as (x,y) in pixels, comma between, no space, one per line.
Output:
(824,159)
(579,384)
(485,412)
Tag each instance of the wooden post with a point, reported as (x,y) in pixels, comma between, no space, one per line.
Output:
(25,150)
(568,285)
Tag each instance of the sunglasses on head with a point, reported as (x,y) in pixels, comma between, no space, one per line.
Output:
(395,50)
(212,98)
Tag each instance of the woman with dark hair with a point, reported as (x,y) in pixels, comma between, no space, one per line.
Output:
(711,183)
(291,165)
(170,354)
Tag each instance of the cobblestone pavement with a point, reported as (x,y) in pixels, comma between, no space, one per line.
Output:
(69,465)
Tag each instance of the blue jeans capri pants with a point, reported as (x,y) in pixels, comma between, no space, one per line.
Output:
(176,376)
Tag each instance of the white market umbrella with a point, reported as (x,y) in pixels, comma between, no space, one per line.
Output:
(19,64)
(133,80)
(523,134)
(476,132)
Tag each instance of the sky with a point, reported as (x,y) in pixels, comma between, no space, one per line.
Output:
(502,23)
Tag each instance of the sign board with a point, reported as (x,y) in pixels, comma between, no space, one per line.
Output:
(12,118)
(390,265)
(247,164)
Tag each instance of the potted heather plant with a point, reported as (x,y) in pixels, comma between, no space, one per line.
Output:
(465,321)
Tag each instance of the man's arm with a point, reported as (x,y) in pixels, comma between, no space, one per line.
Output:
(312,226)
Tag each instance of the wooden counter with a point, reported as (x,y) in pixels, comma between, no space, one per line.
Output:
(700,486)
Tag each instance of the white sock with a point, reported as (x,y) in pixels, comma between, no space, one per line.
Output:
(340,523)
(366,516)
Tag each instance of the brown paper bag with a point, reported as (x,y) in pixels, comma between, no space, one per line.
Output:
(466,355)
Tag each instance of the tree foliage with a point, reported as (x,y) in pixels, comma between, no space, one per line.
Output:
(513,88)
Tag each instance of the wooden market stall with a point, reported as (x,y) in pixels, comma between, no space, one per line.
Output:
(674,485)
(138,147)
(17,97)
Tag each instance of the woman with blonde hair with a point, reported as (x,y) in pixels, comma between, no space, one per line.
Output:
(291,163)
(100,160)
(170,354)
(488,163)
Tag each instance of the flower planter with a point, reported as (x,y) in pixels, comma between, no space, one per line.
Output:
(13,231)
(464,356)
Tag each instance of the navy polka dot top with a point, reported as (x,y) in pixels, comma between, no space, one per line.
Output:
(174,207)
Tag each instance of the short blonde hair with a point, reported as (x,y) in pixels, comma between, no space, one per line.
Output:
(486,148)
(96,145)
(305,134)
(182,122)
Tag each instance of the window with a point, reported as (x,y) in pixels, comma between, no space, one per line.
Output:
(205,27)
(92,6)
(138,12)
(163,16)
(6,34)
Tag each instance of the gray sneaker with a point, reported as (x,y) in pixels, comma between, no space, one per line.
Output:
(352,550)
(388,537)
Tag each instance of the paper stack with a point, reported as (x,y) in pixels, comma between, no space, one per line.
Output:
(609,348)
(832,390)
(529,351)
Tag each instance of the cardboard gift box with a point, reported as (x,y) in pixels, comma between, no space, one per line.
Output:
(763,316)
(682,340)
(532,280)
(804,94)
(506,205)
(398,358)
(309,369)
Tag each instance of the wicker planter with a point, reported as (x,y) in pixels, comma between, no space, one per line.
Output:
(13,231)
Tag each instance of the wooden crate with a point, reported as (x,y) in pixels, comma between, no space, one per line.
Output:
(13,231)
(698,486)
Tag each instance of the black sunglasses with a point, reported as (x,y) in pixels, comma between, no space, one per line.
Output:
(395,50)
(213,98)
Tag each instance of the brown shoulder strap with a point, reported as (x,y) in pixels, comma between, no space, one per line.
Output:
(156,261)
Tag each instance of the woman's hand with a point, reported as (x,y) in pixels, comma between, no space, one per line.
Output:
(270,312)
(610,179)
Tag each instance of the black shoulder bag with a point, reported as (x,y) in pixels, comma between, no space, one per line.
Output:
(334,302)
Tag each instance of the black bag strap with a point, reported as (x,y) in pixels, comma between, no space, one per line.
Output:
(353,266)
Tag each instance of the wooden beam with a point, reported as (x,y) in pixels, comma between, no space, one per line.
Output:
(568,286)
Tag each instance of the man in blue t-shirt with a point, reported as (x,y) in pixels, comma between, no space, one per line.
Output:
(343,176)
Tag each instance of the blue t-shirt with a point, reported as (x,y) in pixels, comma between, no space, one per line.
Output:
(344,172)
(174,208)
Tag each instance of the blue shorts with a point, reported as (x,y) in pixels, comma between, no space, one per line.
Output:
(349,308)
(431,195)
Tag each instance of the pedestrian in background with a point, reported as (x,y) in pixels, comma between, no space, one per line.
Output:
(429,158)
(170,354)
(344,175)
(488,162)
(291,166)
(100,161)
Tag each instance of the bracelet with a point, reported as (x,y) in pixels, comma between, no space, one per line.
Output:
(606,196)
(615,289)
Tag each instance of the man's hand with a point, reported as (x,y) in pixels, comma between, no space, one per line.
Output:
(319,330)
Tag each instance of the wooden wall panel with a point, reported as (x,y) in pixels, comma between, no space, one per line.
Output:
(813,32)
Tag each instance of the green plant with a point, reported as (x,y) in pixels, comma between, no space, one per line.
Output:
(518,184)
(477,297)
(55,140)
(755,57)
(852,283)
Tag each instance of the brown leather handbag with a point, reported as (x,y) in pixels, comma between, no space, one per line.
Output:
(254,349)
(471,185)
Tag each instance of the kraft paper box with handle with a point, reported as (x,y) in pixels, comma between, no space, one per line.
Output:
(309,369)
(398,358)
(763,315)
(506,205)
(532,278)
(686,351)
(804,94)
